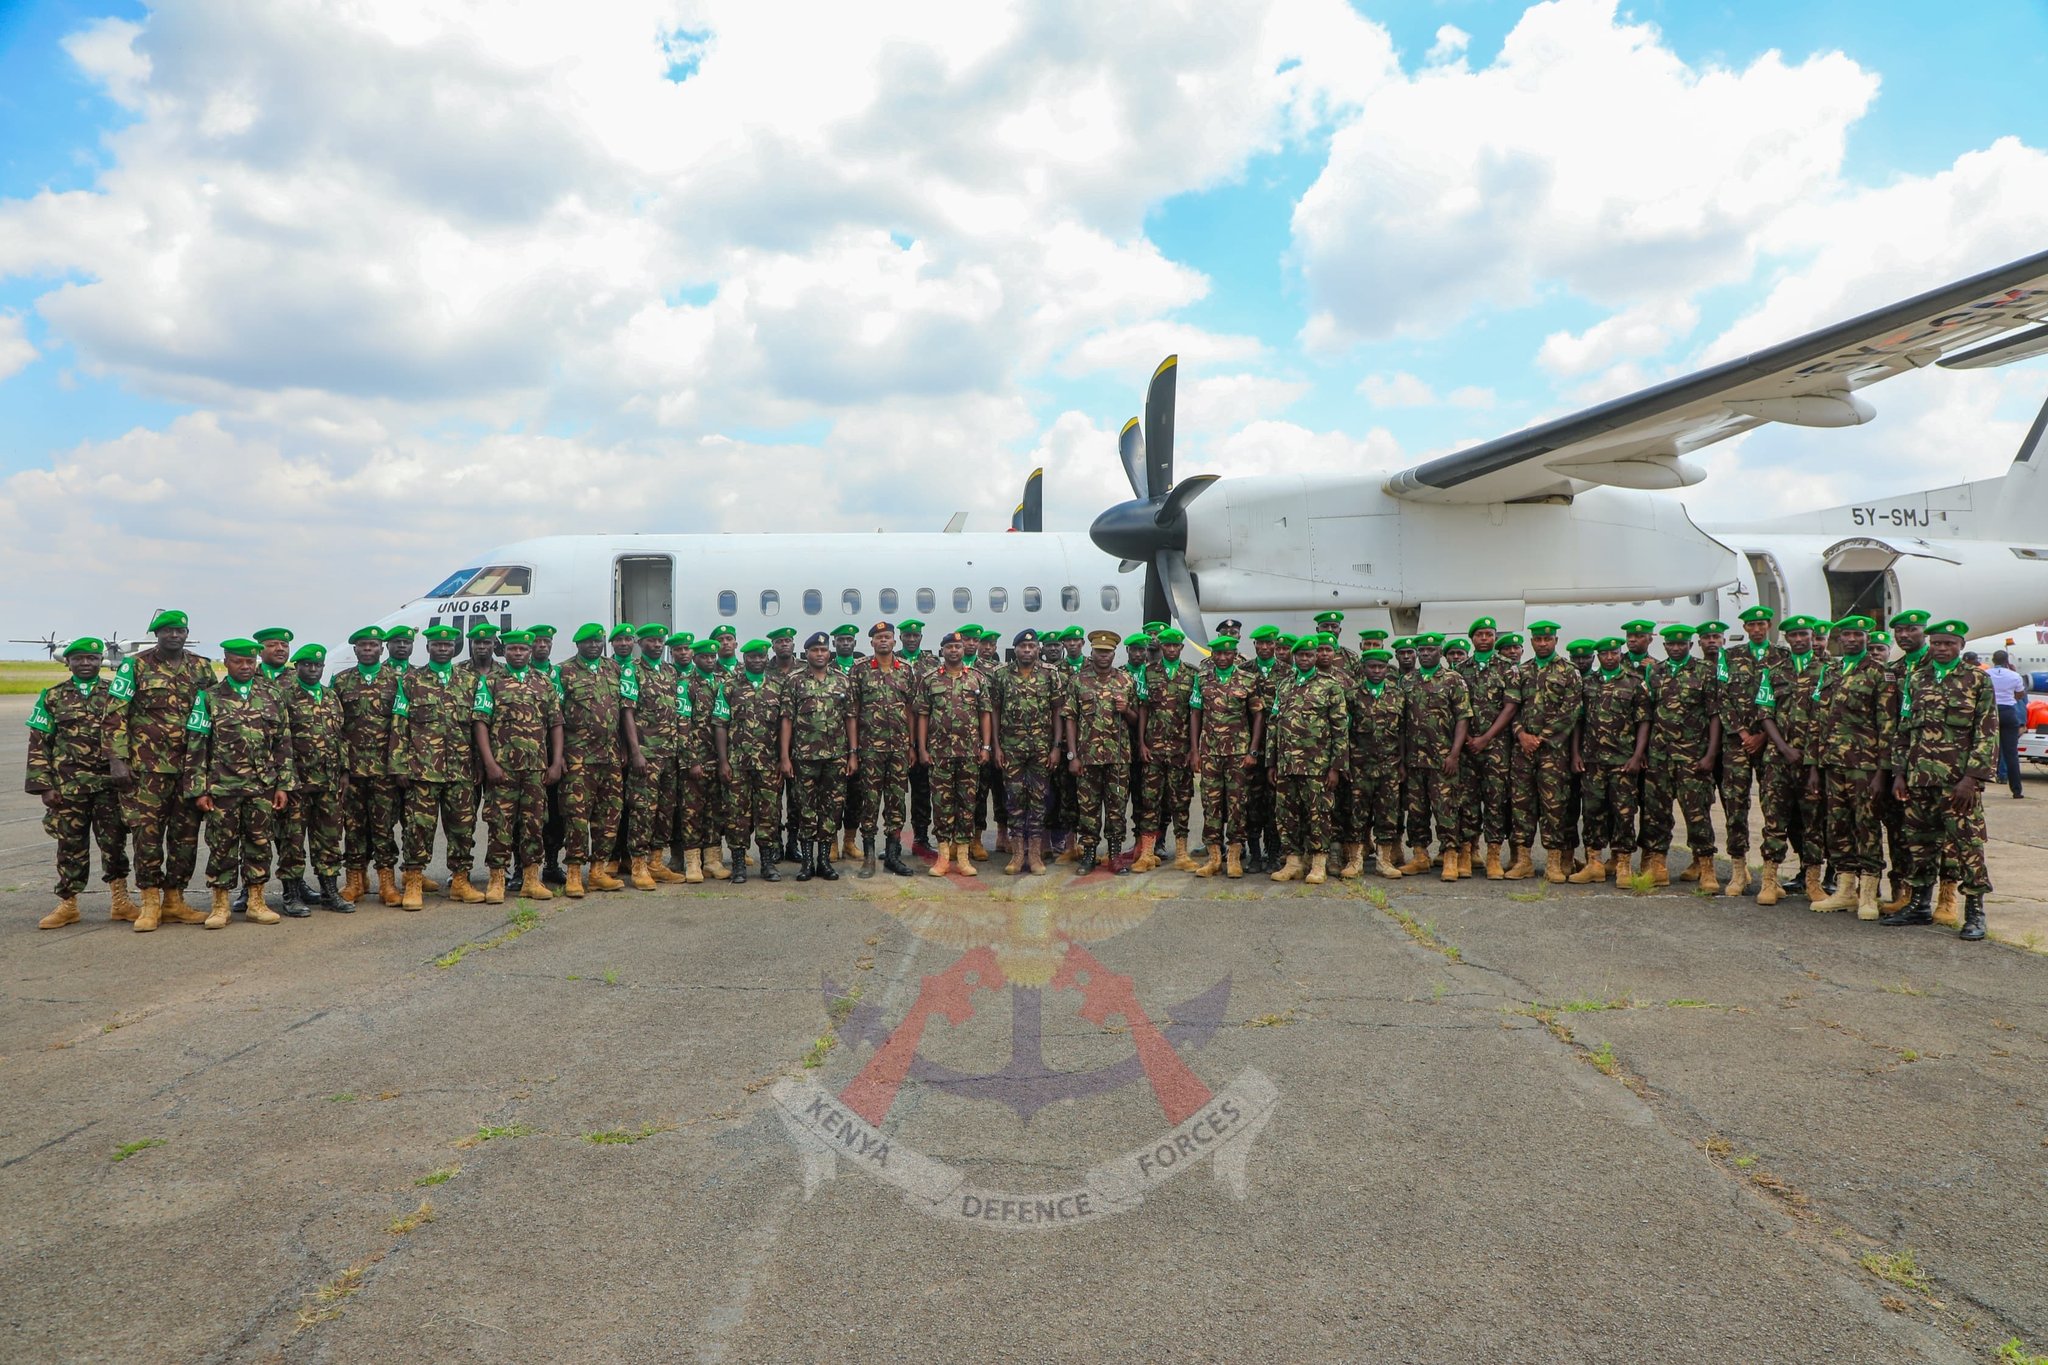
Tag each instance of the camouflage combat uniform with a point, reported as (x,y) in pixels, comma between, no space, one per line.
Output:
(1103,740)
(1615,705)
(923,663)
(1947,730)
(1791,818)
(238,751)
(1739,669)
(370,807)
(817,706)
(1027,704)
(595,694)
(1063,806)
(151,700)
(952,705)
(1227,706)
(888,742)
(1379,719)
(1851,745)
(1259,814)
(1685,701)
(1164,689)
(1436,703)
(753,736)
(310,826)
(518,710)
(1525,805)
(1553,696)
(67,754)
(1483,776)
(431,750)
(1308,736)
(1891,813)
(699,809)
(650,797)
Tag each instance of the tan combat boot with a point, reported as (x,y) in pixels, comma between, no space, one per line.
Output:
(387,886)
(1072,853)
(223,902)
(124,908)
(1318,869)
(1416,864)
(1738,875)
(1015,867)
(461,889)
(413,897)
(572,881)
(1866,897)
(1450,872)
(1233,862)
(1400,854)
(65,913)
(714,865)
(1769,892)
(971,851)
(1289,870)
(641,877)
(1494,871)
(259,910)
(963,864)
(1815,891)
(943,864)
(176,911)
(353,885)
(693,866)
(1555,863)
(1181,861)
(1692,870)
(1145,861)
(494,889)
(532,887)
(1354,861)
(1902,895)
(1594,871)
(1844,894)
(428,886)
(1946,910)
(658,868)
(1659,870)
(1215,862)
(1384,864)
(1619,868)
(1034,855)
(1708,882)
(1521,868)
(600,878)
(152,910)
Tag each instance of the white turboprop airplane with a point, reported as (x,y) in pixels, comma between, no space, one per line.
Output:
(1569,519)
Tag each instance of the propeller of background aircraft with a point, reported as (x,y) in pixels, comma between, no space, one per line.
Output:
(53,646)
(1152,529)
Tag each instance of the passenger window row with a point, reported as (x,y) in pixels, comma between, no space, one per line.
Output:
(888,601)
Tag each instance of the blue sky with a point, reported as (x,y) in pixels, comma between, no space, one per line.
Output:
(370,261)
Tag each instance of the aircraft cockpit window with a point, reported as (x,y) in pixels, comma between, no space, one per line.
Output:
(500,580)
(1070,599)
(927,601)
(771,602)
(814,601)
(998,599)
(849,601)
(963,599)
(728,602)
(448,586)
(1111,598)
(888,601)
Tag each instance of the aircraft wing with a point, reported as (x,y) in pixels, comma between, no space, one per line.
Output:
(1640,441)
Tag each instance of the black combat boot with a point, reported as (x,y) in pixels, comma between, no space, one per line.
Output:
(1087,863)
(791,849)
(1919,910)
(892,857)
(821,862)
(330,895)
(738,875)
(768,872)
(552,875)
(294,898)
(804,870)
(867,856)
(241,904)
(1973,918)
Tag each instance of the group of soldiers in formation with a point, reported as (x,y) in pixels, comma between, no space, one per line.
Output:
(648,755)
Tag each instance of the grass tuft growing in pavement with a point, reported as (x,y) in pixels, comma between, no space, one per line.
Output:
(492,1132)
(406,1223)
(842,1005)
(1642,883)
(625,1137)
(1899,1268)
(325,1303)
(1602,1058)
(524,917)
(820,1050)
(2016,1353)
(437,1177)
(128,1149)
(1424,933)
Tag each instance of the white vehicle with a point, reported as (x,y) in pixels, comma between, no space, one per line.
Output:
(1571,519)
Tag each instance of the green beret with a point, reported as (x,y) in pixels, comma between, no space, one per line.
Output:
(782,633)
(1406,642)
(589,630)
(682,639)
(1712,628)
(441,633)
(1152,627)
(1428,637)
(704,646)
(1543,627)
(1757,613)
(517,637)
(1507,638)
(241,648)
(483,630)
(541,632)
(85,644)
(1607,642)
(1138,639)
(752,646)
(1304,642)
(269,633)
(1880,637)
(317,653)
(722,630)
(624,630)
(1823,626)
(1458,642)
(848,628)
(913,626)
(1170,636)
(1908,618)
(1375,656)
(1793,623)
(400,632)
(1950,627)
(1328,618)
(168,620)
(1364,635)
(1637,627)
(1483,623)
(366,633)
(1266,633)
(1223,642)
(1677,632)
(1579,647)
(653,630)
(1855,623)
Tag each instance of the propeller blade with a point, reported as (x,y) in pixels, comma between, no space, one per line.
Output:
(1158,448)
(1179,592)
(1130,448)
(1033,510)
(1129,565)
(1157,608)
(1183,493)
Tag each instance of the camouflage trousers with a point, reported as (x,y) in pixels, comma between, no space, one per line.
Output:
(1026,789)
(516,812)
(1854,838)
(1892,816)
(694,822)
(1304,805)
(1610,795)
(1488,803)
(1169,791)
(553,829)
(920,797)
(1946,847)
(1435,799)
(1226,798)
(650,805)
(753,806)
(76,822)
(452,806)
(1063,807)
(309,823)
(1792,820)
(1104,793)
(820,785)
(1676,780)
(1258,802)
(953,791)
(1343,806)
(367,817)
(1137,794)
(1525,802)
(990,804)
(885,774)
(593,802)
(165,826)
(1739,772)
(238,830)
(1376,793)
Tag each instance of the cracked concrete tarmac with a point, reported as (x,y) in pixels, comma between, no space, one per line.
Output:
(1582,1125)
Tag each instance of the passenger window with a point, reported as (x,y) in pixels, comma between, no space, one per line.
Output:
(888,601)
(728,603)
(1033,599)
(849,601)
(998,599)
(1111,598)
(963,599)
(1070,599)
(771,602)
(814,601)
(927,601)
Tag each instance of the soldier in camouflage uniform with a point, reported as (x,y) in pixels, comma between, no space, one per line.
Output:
(516,726)
(370,799)
(1745,758)
(704,804)
(68,769)
(1439,708)
(1848,765)
(431,762)
(1261,828)
(910,635)
(1105,708)
(650,795)
(746,732)
(1784,701)
(1551,695)
(1027,709)
(1163,690)
(553,830)
(1523,805)
(238,767)
(820,750)
(1685,745)
(311,823)
(1609,753)
(1062,656)
(1944,748)
(1909,633)
(480,663)
(1228,734)
(883,689)
(953,736)
(152,694)
(1488,806)
(1378,729)
(1308,739)
(597,713)
(1636,658)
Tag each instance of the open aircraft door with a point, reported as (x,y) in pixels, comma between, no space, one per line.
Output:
(1861,577)
(643,590)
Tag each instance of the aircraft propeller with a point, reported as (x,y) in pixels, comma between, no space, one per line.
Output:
(1152,529)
